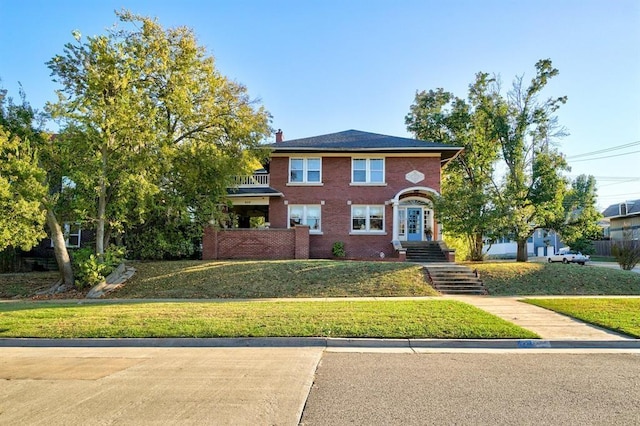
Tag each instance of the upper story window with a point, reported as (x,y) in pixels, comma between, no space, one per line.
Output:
(367,170)
(305,170)
(623,209)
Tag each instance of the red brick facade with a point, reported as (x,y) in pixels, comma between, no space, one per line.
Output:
(256,243)
(337,194)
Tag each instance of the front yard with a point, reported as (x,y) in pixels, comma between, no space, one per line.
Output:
(622,315)
(377,319)
(240,280)
(523,279)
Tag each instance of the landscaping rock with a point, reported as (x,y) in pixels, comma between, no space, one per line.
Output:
(114,280)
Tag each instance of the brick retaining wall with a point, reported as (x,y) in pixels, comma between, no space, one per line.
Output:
(256,243)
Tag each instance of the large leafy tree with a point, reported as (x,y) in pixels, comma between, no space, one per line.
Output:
(151,121)
(21,179)
(466,206)
(30,173)
(525,128)
(509,178)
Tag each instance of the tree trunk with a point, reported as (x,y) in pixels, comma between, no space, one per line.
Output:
(522,251)
(476,249)
(102,206)
(60,250)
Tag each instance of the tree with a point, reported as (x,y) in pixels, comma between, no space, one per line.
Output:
(466,205)
(28,165)
(532,190)
(579,226)
(21,192)
(150,120)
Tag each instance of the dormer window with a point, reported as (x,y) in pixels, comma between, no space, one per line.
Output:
(623,209)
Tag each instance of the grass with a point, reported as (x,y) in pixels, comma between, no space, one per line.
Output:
(621,315)
(22,285)
(273,279)
(379,319)
(514,278)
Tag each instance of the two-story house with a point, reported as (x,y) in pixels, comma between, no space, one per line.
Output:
(623,220)
(369,191)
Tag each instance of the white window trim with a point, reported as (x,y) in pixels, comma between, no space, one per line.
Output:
(304,216)
(367,230)
(66,229)
(305,170)
(367,181)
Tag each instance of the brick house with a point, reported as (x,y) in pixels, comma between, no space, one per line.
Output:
(372,192)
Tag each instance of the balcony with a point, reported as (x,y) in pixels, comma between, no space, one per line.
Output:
(253,181)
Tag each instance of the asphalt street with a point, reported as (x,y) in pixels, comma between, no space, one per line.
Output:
(475,389)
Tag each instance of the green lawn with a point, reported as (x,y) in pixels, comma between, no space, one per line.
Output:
(269,279)
(622,315)
(514,278)
(25,284)
(379,319)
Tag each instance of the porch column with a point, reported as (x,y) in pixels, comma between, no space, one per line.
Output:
(395,222)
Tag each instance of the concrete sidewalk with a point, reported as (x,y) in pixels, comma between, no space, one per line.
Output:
(169,386)
(547,324)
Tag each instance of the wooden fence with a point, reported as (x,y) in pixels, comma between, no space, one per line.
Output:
(603,248)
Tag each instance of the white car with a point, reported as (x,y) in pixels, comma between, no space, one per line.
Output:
(569,257)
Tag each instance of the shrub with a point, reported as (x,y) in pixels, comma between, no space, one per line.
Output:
(627,251)
(91,269)
(338,249)
(626,254)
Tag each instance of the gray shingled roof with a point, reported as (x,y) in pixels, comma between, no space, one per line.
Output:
(633,209)
(358,141)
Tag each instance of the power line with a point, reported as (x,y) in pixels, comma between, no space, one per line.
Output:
(607,156)
(602,151)
(635,194)
(620,182)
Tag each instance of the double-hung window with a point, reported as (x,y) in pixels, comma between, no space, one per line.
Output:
(367,218)
(72,234)
(305,215)
(367,170)
(305,170)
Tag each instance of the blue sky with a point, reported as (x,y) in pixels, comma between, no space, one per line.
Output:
(326,66)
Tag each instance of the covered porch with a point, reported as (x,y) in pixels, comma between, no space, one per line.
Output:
(413,216)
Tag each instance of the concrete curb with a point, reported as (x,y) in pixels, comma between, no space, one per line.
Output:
(283,342)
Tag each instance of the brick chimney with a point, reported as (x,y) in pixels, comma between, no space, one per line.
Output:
(279,137)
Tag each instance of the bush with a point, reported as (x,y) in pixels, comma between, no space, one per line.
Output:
(627,254)
(90,269)
(627,251)
(158,240)
(338,249)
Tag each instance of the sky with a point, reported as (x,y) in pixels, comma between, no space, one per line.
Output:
(326,66)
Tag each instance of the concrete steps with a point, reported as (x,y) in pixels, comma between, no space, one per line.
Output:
(450,278)
(424,251)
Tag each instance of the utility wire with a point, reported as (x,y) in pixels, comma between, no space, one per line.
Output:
(602,151)
(606,156)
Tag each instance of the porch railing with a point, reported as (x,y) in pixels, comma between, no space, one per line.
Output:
(254,180)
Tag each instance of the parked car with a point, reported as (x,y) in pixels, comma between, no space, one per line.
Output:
(569,256)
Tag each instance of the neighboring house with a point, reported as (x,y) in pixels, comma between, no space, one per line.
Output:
(623,217)
(369,191)
(543,242)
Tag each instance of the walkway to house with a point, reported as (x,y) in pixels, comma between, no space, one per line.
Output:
(547,324)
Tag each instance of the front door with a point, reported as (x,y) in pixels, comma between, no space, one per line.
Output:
(414,224)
